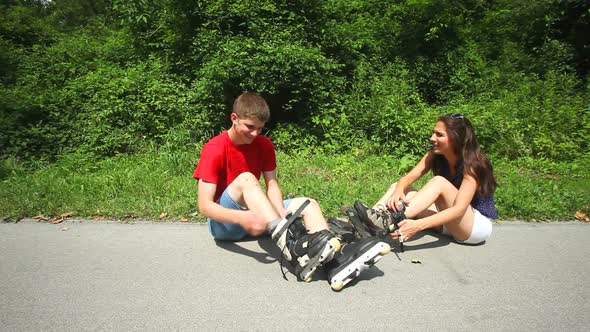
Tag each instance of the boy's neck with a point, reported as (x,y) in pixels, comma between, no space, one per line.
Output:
(233,136)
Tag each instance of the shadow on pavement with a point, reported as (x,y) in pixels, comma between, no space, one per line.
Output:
(441,241)
(262,257)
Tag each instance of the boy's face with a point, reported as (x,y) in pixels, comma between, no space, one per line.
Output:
(246,129)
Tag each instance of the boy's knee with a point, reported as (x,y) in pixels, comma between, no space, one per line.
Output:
(313,203)
(297,202)
(247,178)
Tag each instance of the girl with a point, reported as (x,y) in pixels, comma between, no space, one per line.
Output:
(459,199)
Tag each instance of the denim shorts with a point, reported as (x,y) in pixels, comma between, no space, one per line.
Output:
(230,232)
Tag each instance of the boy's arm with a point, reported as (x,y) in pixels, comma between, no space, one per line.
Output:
(273,191)
(210,209)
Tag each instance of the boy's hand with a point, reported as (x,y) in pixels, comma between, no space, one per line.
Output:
(283,213)
(253,224)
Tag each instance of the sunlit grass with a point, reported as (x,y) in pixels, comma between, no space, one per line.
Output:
(160,183)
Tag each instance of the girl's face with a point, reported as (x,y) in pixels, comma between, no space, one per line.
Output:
(441,142)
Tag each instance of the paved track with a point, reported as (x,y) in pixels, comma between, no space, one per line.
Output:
(83,275)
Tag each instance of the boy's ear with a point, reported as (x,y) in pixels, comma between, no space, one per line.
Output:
(233,117)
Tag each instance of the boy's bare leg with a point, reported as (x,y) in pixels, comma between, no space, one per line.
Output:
(247,192)
(313,218)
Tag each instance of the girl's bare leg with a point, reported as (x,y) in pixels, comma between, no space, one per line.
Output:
(410,192)
(440,192)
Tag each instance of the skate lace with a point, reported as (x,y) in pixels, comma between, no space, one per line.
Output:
(387,220)
(282,262)
(386,216)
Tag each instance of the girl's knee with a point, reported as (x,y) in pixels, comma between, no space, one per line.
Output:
(440,181)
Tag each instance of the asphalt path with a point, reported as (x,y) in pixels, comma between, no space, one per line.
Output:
(155,276)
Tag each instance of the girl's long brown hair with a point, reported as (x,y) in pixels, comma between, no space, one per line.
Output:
(475,162)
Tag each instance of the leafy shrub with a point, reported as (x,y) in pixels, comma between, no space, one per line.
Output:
(386,106)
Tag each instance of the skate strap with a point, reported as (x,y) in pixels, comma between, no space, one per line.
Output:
(291,218)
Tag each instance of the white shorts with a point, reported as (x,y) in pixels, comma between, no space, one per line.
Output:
(481,231)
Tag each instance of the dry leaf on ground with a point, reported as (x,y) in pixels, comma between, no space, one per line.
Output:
(582,216)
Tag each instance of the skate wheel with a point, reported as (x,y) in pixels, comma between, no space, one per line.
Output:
(336,244)
(337,286)
(308,279)
(385,250)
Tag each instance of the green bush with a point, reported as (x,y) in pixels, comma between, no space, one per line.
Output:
(532,117)
(385,105)
(340,76)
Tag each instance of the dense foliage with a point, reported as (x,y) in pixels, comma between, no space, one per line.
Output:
(104,78)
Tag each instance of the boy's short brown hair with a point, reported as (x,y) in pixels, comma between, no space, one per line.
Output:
(250,105)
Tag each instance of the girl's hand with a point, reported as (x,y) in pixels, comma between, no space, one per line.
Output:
(393,202)
(408,228)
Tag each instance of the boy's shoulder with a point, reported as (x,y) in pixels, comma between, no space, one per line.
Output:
(217,140)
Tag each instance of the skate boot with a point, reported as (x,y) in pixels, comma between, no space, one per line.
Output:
(342,229)
(381,219)
(305,252)
(354,258)
(362,229)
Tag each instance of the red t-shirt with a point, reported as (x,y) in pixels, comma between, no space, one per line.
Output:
(222,161)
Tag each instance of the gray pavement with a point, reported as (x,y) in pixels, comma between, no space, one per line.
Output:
(85,275)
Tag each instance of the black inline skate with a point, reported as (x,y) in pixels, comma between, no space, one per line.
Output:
(354,258)
(305,252)
(380,218)
(379,221)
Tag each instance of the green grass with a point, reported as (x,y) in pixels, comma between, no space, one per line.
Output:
(144,186)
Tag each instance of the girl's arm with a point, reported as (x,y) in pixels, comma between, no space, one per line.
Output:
(423,166)
(455,212)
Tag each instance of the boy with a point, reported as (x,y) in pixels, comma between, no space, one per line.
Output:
(230,195)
